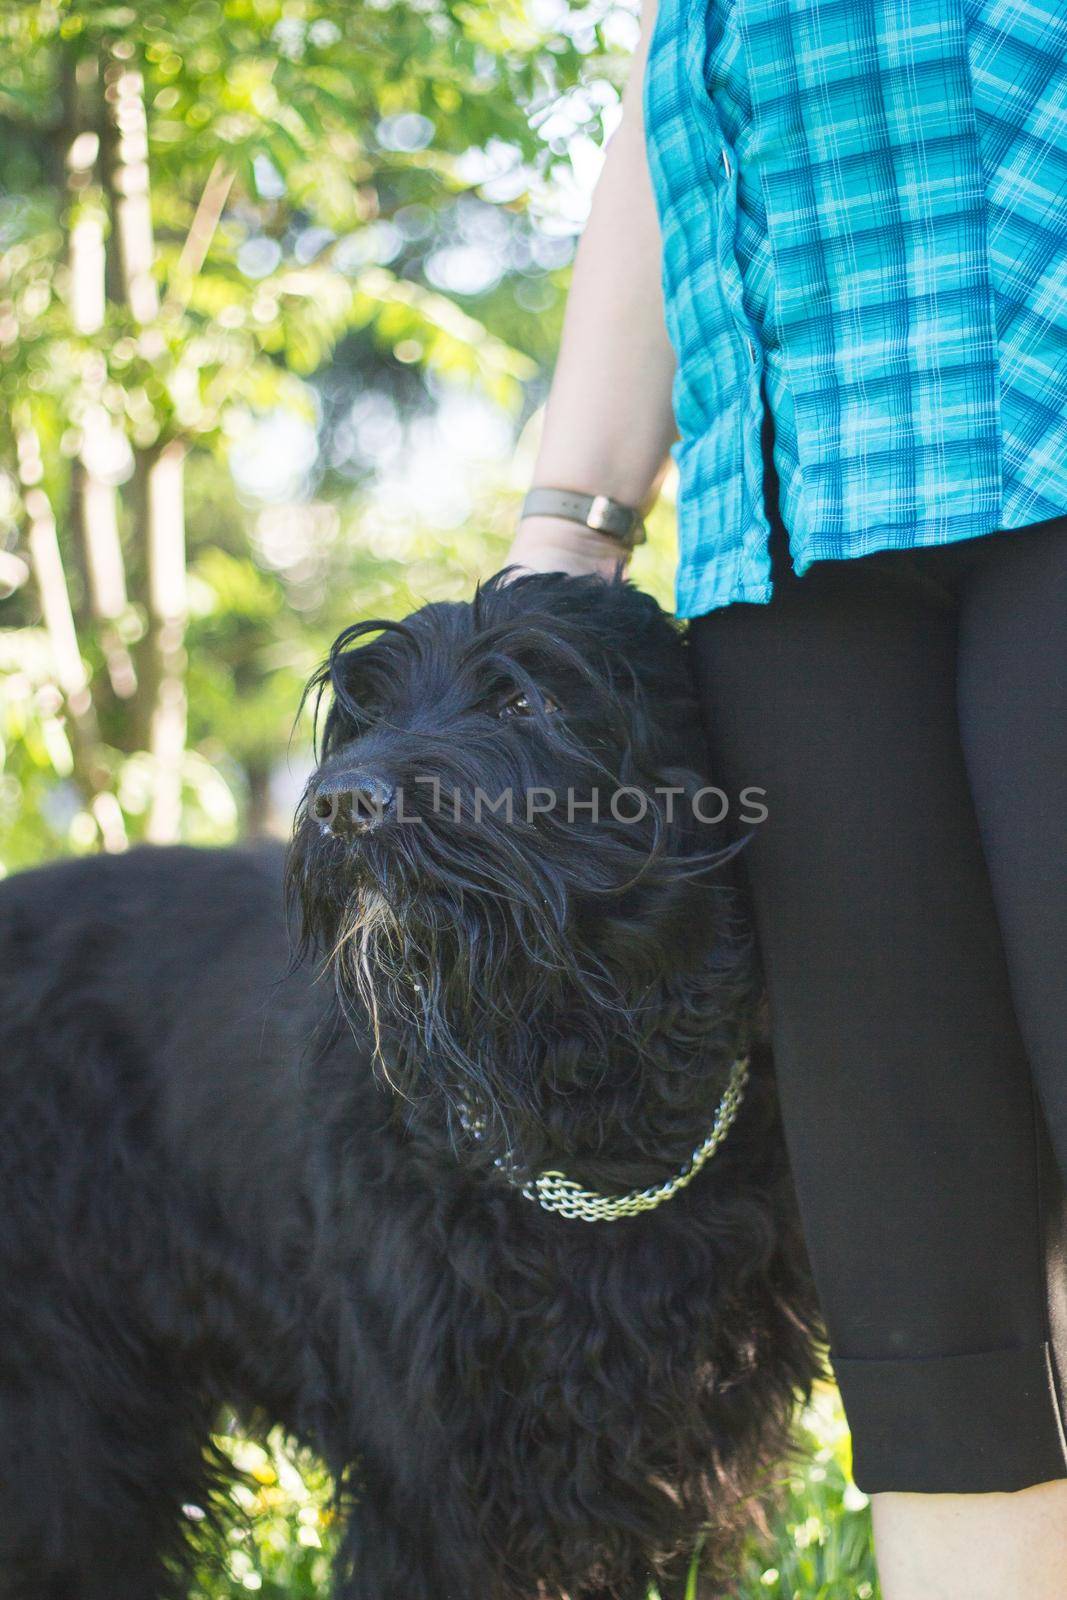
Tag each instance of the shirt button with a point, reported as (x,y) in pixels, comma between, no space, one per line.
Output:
(726,167)
(751,348)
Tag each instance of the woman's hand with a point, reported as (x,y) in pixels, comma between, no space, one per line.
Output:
(553,544)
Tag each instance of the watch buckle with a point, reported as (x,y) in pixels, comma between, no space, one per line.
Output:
(599,516)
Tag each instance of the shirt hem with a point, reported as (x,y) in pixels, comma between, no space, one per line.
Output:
(697,602)
(917,536)
(700,591)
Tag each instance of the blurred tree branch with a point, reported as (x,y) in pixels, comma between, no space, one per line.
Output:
(206,219)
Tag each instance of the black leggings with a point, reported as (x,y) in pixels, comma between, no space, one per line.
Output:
(906,713)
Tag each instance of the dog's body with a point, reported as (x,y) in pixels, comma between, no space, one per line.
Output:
(220,1185)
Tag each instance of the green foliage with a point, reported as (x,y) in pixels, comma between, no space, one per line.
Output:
(820,1545)
(345,201)
(275,1539)
(35,755)
(42,812)
(278,1529)
(326,122)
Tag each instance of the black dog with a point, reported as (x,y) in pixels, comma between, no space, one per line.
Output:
(295,1185)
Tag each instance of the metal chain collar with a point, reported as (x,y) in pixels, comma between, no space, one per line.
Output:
(555,1192)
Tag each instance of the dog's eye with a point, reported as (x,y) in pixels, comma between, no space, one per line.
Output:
(520,705)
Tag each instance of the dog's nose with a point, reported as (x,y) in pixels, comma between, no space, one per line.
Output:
(352,802)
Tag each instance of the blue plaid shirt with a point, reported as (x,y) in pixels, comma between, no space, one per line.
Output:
(864,216)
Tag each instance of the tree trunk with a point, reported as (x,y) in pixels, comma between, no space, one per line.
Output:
(131,204)
(260,821)
(160,704)
(164,643)
(95,494)
(90,772)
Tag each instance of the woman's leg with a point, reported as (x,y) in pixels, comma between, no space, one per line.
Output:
(1013,722)
(973,1546)
(904,1084)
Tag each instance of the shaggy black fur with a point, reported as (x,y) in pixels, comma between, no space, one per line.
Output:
(229,1176)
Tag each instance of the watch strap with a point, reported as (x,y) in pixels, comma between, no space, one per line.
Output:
(595,511)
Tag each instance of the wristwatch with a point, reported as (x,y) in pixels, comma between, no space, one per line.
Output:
(596,511)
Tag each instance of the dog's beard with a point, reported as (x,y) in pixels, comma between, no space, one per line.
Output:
(450,941)
(513,978)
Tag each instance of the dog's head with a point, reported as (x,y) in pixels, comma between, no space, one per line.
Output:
(505,853)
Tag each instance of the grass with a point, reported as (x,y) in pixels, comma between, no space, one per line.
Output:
(278,1535)
(820,1547)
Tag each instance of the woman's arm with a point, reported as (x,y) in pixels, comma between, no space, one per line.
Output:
(608,423)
